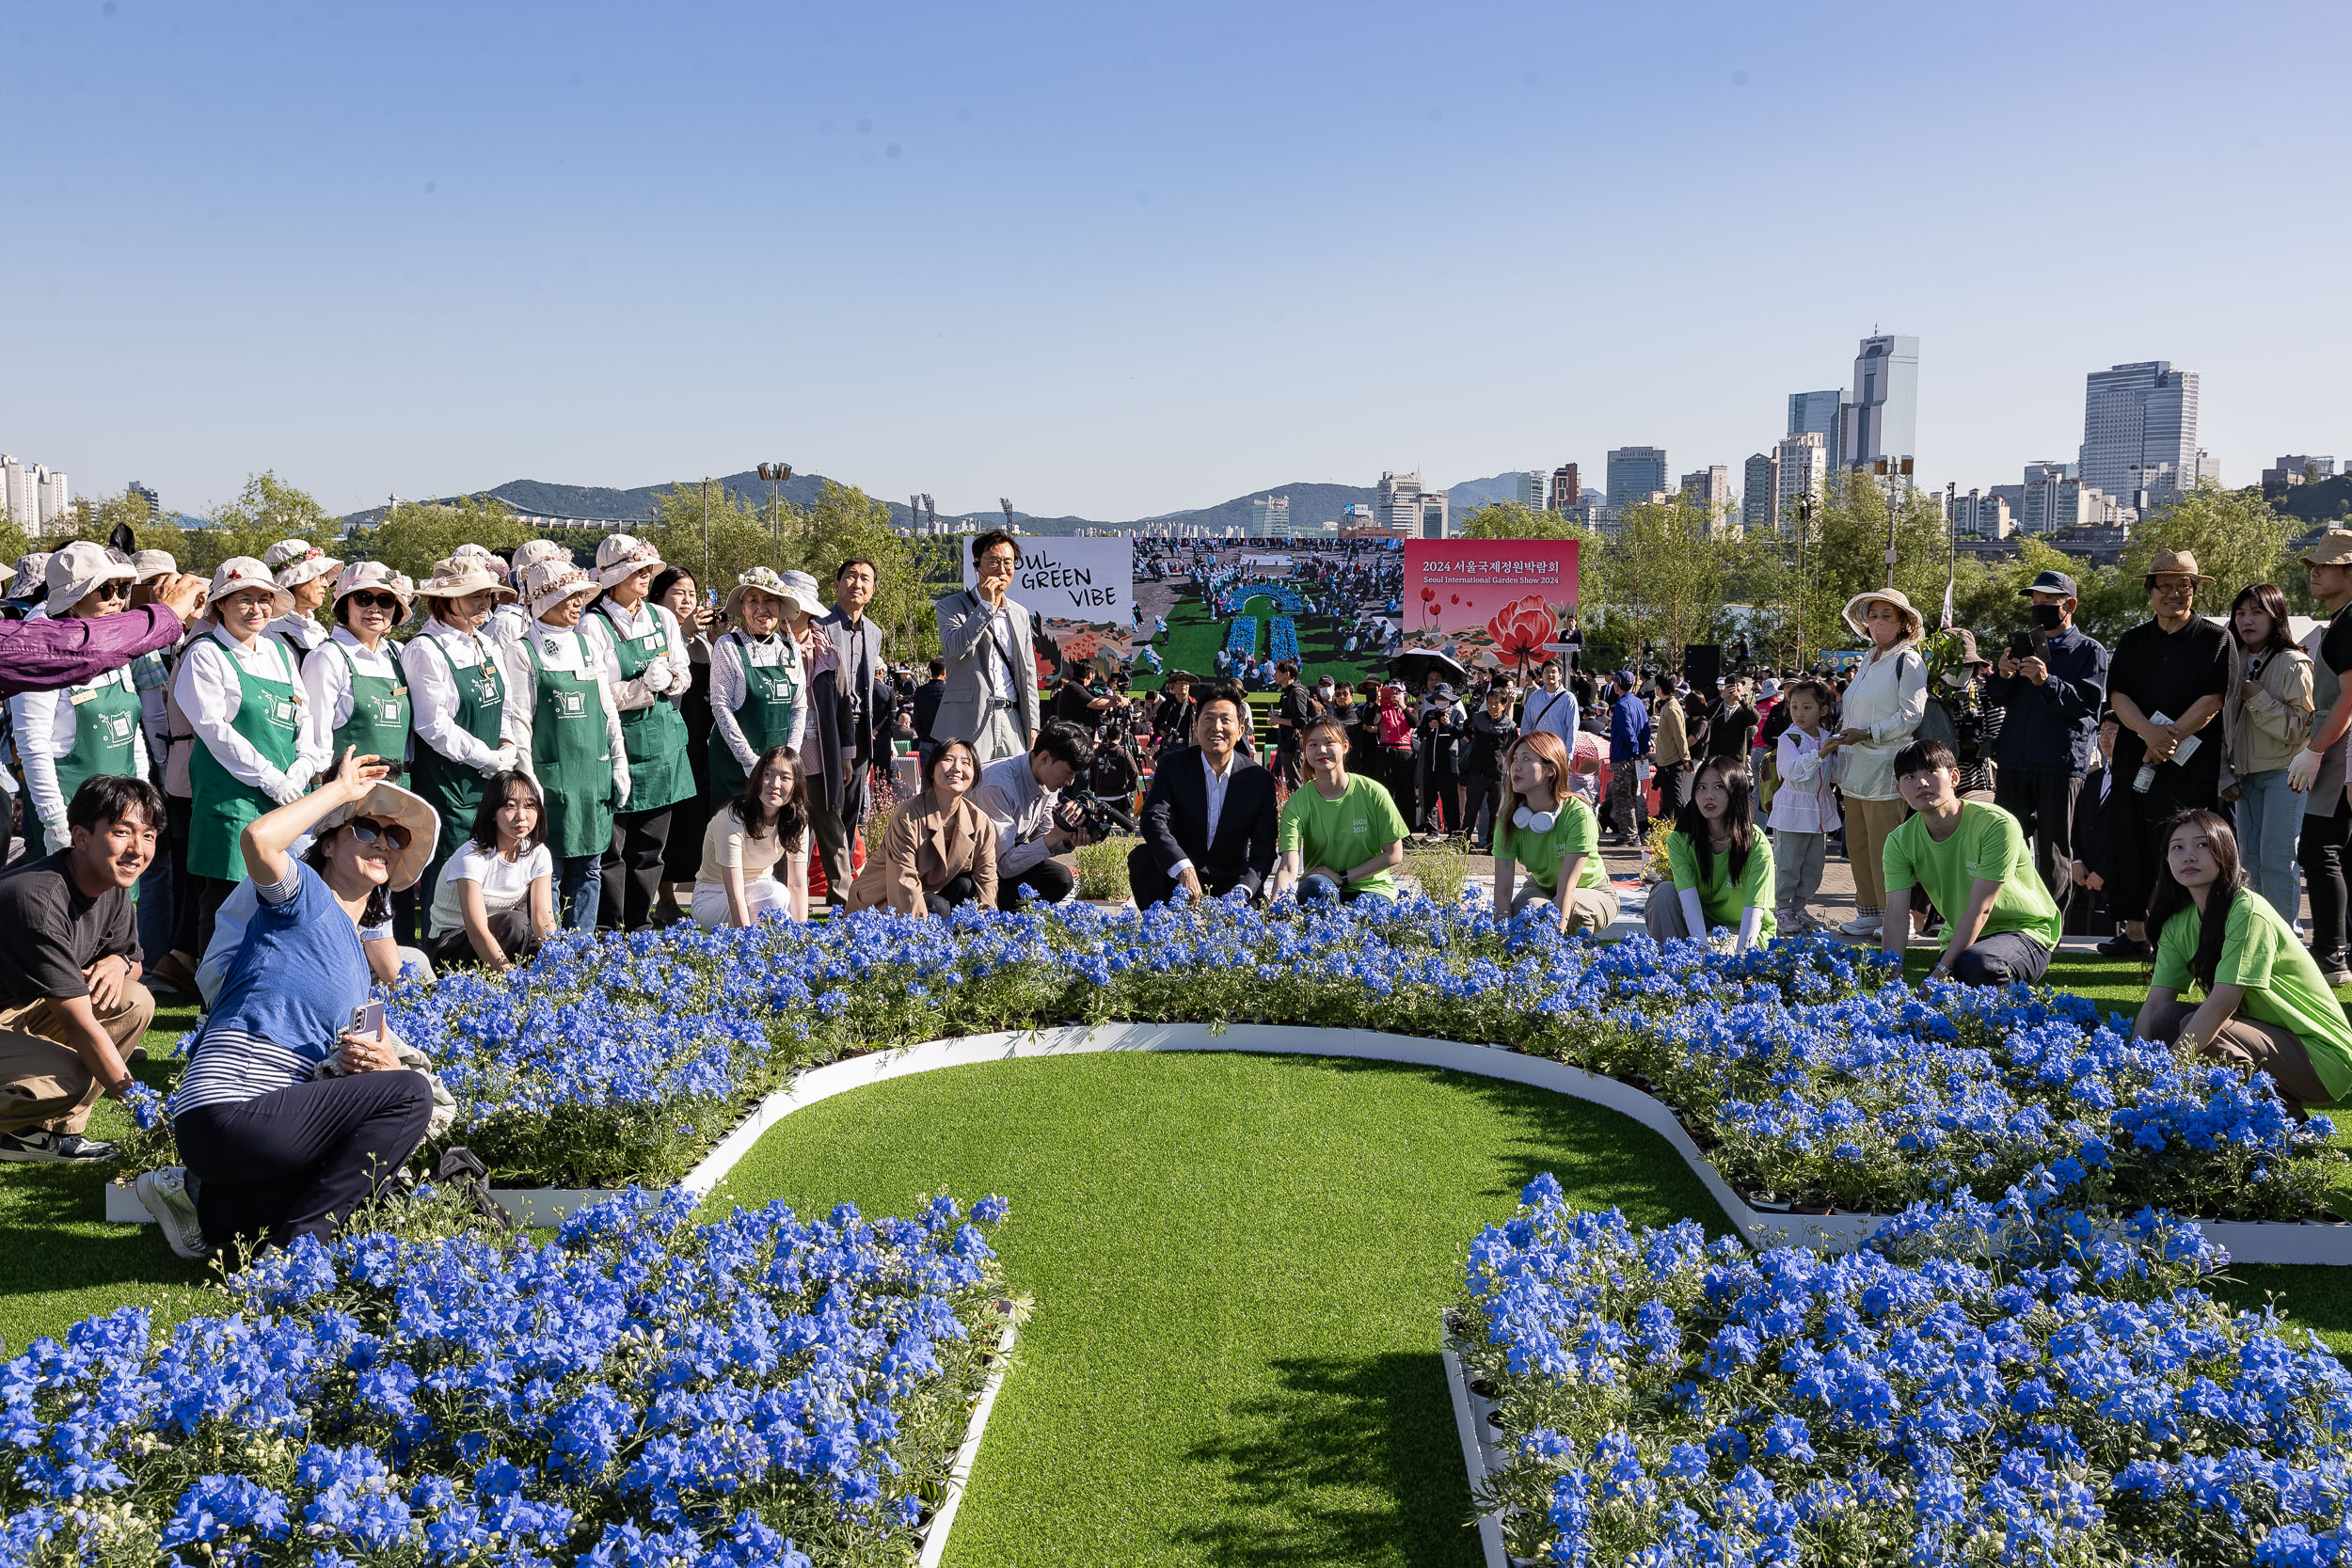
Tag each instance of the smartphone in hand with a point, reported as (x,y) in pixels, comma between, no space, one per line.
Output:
(367,1021)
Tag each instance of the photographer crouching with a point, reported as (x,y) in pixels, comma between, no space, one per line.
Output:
(1022,797)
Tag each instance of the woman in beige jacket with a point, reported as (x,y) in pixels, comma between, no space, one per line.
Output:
(2266,719)
(940,850)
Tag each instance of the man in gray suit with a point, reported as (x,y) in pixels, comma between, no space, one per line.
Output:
(990,699)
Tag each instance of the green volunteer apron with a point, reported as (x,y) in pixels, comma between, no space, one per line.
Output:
(569,753)
(378,725)
(659,772)
(105,730)
(454,788)
(771,693)
(219,806)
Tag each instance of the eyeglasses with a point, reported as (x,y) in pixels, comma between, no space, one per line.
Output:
(367,829)
(364,600)
(117,589)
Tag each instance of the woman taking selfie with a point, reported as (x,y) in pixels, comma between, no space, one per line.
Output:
(2266,719)
(1547,827)
(2266,1007)
(90,729)
(763,828)
(940,850)
(275,1153)
(496,902)
(1722,866)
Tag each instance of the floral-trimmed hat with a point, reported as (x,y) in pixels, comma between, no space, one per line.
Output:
(296,562)
(31,574)
(361,575)
(550,582)
(241,572)
(798,588)
(622,556)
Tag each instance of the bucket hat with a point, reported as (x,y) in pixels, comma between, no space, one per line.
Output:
(151,564)
(1857,606)
(532,551)
(550,582)
(622,556)
(296,562)
(77,569)
(2175,563)
(455,576)
(374,574)
(2331,548)
(389,802)
(31,574)
(240,572)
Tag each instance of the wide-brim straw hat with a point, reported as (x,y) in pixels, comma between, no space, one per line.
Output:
(622,556)
(455,576)
(362,575)
(389,802)
(2174,563)
(151,564)
(31,576)
(296,562)
(2331,548)
(798,588)
(550,582)
(240,574)
(1857,608)
(78,568)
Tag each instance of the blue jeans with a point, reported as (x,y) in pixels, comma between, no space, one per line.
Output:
(579,882)
(2269,821)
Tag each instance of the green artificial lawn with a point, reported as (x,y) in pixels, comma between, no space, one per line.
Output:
(1194,637)
(1238,1263)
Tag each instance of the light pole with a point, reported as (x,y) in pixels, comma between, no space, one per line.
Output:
(775,474)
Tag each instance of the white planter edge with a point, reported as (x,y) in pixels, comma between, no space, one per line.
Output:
(960,1472)
(2247,1240)
(1469,1424)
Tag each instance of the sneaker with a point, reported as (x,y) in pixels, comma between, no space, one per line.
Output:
(1867,925)
(165,1194)
(2121,946)
(36,1147)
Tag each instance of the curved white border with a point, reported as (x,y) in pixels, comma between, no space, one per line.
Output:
(2247,1240)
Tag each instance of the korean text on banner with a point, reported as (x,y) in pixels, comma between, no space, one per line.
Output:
(1489,601)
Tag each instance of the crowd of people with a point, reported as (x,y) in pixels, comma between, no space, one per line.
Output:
(222,793)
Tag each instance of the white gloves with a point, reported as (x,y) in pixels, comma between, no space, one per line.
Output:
(504,760)
(58,832)
(662,677)
(299,778)
(2303,770)
(620,789)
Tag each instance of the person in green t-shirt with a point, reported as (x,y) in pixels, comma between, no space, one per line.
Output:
(1723,867)
(1972,861)
(1551,832)
(1341,837)
(2267,1007)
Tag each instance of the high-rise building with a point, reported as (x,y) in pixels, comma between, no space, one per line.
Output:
(36,497)
(1883,419)
(2052,498)
(1801,471)
(1567,494)
(1635,474)
(55,500)
(1824,413)
(1978,515)
(154,502)
(1710,487)
(2139,429)
(1531,489)
(1433,521)
(1270,517)
(1398,502)
(1759,492)
(2208,466)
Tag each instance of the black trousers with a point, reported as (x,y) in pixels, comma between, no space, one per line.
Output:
(1049,879)
(956,891)
(179,814)
(2043,804)
(1397,765)
(1442,812)
(297,1161)
(2322,852)
(834,830)
(511,928)
(631,873)
(1481,797)
(1150,885)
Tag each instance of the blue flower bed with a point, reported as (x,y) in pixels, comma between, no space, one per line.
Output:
(1283,635)
(645,1391)
(1241,637)
(1804,1075)
(2015,1384)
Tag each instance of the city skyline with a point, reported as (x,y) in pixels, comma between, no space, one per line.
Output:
(978,255)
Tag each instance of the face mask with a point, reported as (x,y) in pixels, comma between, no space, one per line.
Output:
(1533,821)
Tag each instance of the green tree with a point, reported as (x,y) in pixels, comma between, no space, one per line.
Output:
(264,511)
(1663,575)
(415,535)
(1801,578)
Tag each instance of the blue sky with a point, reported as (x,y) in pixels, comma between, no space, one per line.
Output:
(1120,260)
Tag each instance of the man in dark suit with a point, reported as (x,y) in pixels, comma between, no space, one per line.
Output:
(857,701)
(2092,838)
(1209,818)
(927,704)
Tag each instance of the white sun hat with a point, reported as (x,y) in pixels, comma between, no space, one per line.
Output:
(362,575)
(550,582)
(296,562)
(389,802)
(152,564)
(242,572)
(77,569)
(622,556)
(455,576)
(532,551)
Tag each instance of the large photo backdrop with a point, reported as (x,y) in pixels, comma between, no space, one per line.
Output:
(1484,602)
(1081,593)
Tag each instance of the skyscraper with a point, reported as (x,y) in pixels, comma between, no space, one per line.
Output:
(1759,492)
(1635,474)
(1566,492)
(1801,471)
(1398,502)
(1883,419)
(1824,413)
(1270,517)
(154,502)
(1710,487)
(2139,429)
(1531,489)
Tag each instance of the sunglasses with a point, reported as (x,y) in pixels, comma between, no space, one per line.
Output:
(367,829)
(117,589)
(364,600)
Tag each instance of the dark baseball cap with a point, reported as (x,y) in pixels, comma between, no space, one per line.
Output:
(2050,582)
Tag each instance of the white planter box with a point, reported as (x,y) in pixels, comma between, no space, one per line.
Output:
(960,1472)
(2249,1241)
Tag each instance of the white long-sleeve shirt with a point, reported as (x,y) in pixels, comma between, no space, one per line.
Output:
(507,623)
(208,692)
(433,690)
(651,686)
(1805,803)
(729,685)
(1887,697)
(303,631)
(45,723)
(558,649)
(1021,811)
(328,679)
